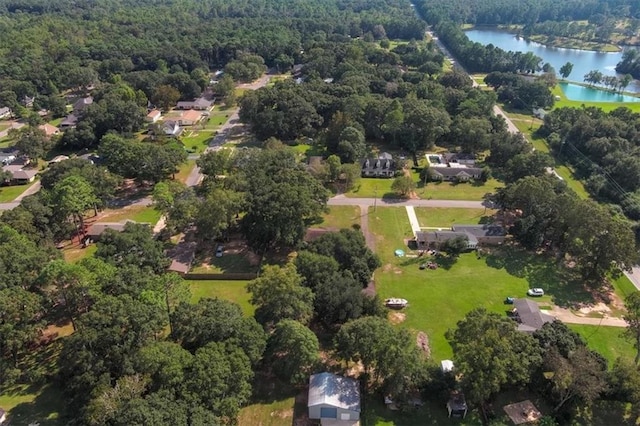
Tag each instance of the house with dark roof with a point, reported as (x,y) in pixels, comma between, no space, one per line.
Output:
(200,104)
(451,173)
(460,158)
(82,104)
(477,235)
(381,166)
(171,128)
(529,316)
(333,399)
(69,121)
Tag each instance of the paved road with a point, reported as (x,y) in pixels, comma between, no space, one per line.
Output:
(341,200)
(14,125)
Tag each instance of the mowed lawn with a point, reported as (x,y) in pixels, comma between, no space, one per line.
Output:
(607,341)
(445,217)
(235,291)
(339,217)
(27,405)
(438,299)
(10,193)
(140,214)
(605,106)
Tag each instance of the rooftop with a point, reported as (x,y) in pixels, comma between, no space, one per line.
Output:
(334,390)
(530,316)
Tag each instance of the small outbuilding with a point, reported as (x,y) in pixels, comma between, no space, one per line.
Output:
(522,412)
(333,399)
(446,365)
(457,405)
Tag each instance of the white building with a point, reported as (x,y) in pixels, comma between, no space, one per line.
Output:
(333,399)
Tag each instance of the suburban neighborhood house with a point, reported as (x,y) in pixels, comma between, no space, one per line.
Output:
(16,166)
(334,400)
(5,112)
(453,167)
(381,166)
(171,128)
(81,104)
(190,117)
(477,235)
(200,104)
(95,231)
(49,130)
(529,316)
(153,116)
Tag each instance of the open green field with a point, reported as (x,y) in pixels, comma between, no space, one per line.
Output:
(445,217)
(234,291)
(10,193)
(340,217)
(140,214)
(457,191)
(607,341)
(439,298)
(606,106)
(28,404)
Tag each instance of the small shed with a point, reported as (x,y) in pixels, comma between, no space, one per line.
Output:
(457,405)
(333,399)
(446,365)
(522,412)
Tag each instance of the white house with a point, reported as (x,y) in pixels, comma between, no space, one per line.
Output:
(334,399)
(4,112)
(153,116)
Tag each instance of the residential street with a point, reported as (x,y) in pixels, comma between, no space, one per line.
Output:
(342,200)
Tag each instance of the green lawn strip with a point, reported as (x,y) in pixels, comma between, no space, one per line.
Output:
(227,264)
(56,122)
(372,187)
(185,170)
(607,341)
(10,193)
(28,404)
(340,217)
(77,253)
(273,404)
(234,291)
(457,191)
(445,217)
(141,214)
(623,286)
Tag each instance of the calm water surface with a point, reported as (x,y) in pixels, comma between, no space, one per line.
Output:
(575,92)
(583,60)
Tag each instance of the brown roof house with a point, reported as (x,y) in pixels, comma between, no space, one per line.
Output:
(49,130)
(189,118)
(153,116)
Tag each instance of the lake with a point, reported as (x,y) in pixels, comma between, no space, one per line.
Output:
(575,92)
(583,60)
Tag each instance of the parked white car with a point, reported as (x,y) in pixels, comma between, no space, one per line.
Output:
(535,292)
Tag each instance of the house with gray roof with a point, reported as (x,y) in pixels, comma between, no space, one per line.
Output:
(529,316)
(380,166)
(455,172)
(200,104)
(477,235)
(334,400)
(82,104)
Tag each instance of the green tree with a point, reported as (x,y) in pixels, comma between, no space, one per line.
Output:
(490,353)
(217,213)
(220,379)
(73,195)
(566,69)
(32,142)
(454,246)
(165,363)
(217,320)
(278,294)
(20,321)
(580,375)
(72,284)
(165,96)
(293,351)
(135,246)
(632,317)
(403,185)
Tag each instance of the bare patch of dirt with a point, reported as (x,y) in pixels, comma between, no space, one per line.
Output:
(422,341)
(282,414)
(598,307)
(388,267)
(397,317)
(398,271)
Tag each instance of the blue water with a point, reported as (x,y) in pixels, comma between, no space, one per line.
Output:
(583,60)
(575,92)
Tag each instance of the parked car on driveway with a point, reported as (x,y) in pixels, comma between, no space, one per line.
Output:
(219,251)
(535,292)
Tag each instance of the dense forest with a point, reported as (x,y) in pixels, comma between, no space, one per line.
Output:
(523,11)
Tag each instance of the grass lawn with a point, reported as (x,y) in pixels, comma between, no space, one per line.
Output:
(372,187)
(457,191)
(236,262)
(28,404)
(623,286)
(185,170)
(443,217)
(340,217)
(141,214)
(439,298)
(9,193)
(273,404)
(607,341)
(234,291)
(75,253)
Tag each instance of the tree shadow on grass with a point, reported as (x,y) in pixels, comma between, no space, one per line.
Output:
(542,271)
(43,409)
